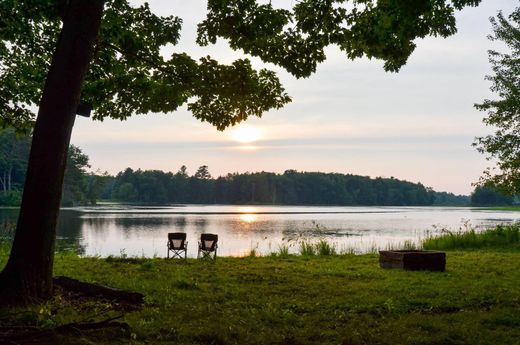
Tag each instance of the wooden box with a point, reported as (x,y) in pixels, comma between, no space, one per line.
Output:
(413,260)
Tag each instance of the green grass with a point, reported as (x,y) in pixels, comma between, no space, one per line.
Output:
(503,208)
(502,237)
(324,248)
(332,299)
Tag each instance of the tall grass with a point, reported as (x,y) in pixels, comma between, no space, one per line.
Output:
(307,248)
(324,248)
(308,243)
(283,250)
(502,236)
(406,245)
(320,248)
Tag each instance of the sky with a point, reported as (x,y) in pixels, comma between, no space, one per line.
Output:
(349,117)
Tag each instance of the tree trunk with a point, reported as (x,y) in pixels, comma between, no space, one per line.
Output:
(28,274)
(3,181)
(9,174)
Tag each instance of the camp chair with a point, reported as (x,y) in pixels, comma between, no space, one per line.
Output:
(177,244)
(207,246)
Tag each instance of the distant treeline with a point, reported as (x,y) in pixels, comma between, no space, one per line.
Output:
(289,188)
(450,199)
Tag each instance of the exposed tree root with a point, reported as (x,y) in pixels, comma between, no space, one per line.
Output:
(25,335)
(74,293)
(100,291)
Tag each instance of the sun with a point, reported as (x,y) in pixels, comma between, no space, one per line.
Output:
(246,134)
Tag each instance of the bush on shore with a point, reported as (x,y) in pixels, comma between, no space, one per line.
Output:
(502,236)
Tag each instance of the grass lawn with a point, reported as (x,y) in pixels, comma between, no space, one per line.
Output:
(502,208)
(339,299)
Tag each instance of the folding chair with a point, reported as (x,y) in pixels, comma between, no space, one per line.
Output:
(208,247)
(177,244)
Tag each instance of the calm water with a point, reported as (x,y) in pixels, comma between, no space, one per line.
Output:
(137,231)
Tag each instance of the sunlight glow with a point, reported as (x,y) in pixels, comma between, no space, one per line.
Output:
(246,134)
(248,214)
(248,217)
(247,148)
(248,209)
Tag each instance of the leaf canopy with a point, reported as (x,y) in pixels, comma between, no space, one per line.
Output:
(130,75)
(503,113)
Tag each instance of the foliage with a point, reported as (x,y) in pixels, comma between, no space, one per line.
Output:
(11,198)
(503,146)
(282,252)
(291,187)
(96,185)
(307,248)
(450,199)
(344,299)
(7,228)
(503,237)
(74,180)
(14,153)
(489,195)
(79,186)
(324,248)
(505,208)
(128,74)
(295,39)
(202,173)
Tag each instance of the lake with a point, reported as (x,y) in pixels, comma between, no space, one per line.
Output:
(142,231)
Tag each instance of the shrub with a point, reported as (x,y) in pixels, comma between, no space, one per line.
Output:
(307,248)
(502,236)
(324,248)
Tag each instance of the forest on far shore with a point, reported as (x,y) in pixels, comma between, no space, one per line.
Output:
(82,187)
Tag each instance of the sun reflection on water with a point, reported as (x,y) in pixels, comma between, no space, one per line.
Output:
(248,217)
(248,214)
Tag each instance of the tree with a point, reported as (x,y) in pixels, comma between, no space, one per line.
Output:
(202,173)
(14,155)
(44,62)
(98,186)
(14,151)
(503,146)
(183,172)
(488,195)
(28,272)
(74,188)
(126,192)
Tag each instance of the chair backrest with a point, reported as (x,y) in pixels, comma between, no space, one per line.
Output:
(176,240)
(208,241)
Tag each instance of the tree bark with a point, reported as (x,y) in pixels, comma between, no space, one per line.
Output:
(9,174)
(4,182)
(27,275)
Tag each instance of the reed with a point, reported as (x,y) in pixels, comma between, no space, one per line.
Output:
(502,236)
